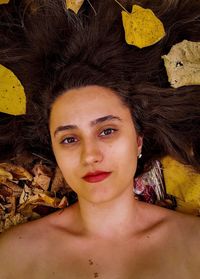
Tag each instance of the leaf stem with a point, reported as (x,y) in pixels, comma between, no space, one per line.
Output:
(121,6)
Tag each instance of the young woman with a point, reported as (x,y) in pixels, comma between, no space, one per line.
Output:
(98,106)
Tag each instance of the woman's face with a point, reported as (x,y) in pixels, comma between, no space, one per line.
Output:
(95,142)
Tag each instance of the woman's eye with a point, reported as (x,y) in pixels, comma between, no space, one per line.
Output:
(69,140)
(107,132)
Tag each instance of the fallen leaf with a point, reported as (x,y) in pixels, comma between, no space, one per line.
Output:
(63,203)
(4,1)
(18,172)
(6,174)
(25,195)
(11,206)
(142,27)
(42,176)
(58,181)
(45,199)
(8,188)
(183,183)
(12,96)
(74,5)
(13,221)
(182,64)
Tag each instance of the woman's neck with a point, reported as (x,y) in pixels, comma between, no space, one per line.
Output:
(113,218)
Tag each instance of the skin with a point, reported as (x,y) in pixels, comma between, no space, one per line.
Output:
(110,145)
(107,233)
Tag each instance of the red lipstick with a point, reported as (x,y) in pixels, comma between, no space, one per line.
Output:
(97,176)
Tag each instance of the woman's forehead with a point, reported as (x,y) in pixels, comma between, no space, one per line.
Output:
(89,102)
(87,93)
(89,96)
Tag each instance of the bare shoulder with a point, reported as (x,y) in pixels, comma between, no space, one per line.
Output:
(175,237)
(35,231)
(13,245)
(185,225)
(20,246)
(179,230)
(187,228)
(173,219)
(175,225)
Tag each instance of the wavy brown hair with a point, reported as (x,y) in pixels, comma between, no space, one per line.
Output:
(52,50)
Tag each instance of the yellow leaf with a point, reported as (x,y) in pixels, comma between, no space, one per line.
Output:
(12,96)
(182,183)
(74,5)
(142,27)
(4,1)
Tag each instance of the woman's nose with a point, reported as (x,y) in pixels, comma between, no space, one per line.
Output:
(91,153)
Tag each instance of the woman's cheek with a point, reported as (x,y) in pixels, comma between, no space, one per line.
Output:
(69,165)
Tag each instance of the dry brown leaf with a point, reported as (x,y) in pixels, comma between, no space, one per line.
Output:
(17,171)
(41,169)
(14,220)
(42,181)
(41,199)
(2,209)
(5,191)
(58,181)
(19,204)
(63,203)
(42,176)
(8,188)
(3,179)
(25,195)
(11,205)
(182,64)
(6,174)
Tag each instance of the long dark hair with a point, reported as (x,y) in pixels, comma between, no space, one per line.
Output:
(52,49)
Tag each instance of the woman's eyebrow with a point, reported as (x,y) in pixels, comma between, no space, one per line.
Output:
(104,118)
(92,123)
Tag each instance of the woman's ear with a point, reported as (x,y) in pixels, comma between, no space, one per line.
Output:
(139,143)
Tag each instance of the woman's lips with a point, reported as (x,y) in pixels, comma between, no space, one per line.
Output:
(96,177)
